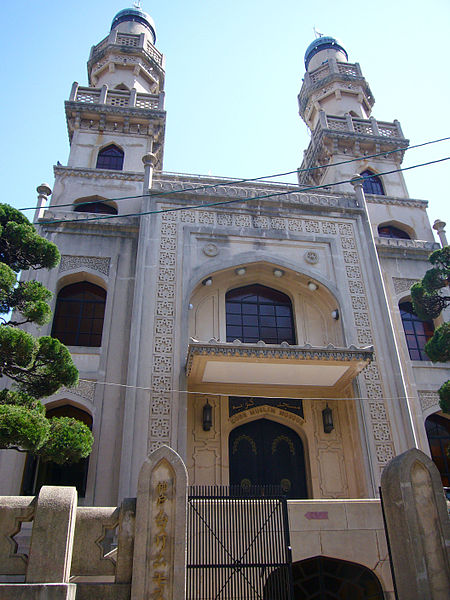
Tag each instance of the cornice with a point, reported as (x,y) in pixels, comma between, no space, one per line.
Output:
(108,109)
(406,249)
(268,192)
(78,222)
(61,171)
(277,351)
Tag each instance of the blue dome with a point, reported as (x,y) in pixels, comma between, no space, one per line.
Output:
(322,43)
(139,16)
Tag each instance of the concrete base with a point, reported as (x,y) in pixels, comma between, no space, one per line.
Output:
(38,591)
(103,591)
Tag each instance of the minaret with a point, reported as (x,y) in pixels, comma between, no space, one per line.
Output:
(335,102)
(124,102)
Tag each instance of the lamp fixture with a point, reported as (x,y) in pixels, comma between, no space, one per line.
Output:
(240,271)
(207,281)
(207,416)
(327,418)
(278,273)
(335,314)
(312,286)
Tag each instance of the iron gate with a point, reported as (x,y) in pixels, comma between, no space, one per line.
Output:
(238,544)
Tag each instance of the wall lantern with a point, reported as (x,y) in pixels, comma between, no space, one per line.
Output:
(335,314)
(278,272)
(207,416)
(327,418)
(207,281)
(241,271)
(312,286)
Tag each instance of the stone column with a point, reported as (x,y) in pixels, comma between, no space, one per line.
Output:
(439,226)
(159,561)
(44,191)
(149,161)
(418,527)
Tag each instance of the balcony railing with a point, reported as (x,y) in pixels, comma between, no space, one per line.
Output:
(332,66)
(362,126)
(126,99)
(131,41)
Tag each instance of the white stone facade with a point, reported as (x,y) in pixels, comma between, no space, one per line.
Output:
(153,263)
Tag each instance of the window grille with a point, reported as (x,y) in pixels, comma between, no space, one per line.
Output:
(256,312)
(110,157)
(372,183)
(417,332)
(79,314)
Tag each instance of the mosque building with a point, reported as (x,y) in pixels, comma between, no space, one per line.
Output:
(262,330)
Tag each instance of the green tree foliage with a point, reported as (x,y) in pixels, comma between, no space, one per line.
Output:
(430,297)
(35,367)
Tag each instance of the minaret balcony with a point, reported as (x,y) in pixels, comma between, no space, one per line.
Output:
(370,127)
(351,69)
(129,40)
(350,135)
(119,98)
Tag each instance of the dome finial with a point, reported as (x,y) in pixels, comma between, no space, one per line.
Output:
(137,4)
(317,33)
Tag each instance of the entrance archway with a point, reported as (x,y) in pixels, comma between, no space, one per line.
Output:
(324,578)
(264,452)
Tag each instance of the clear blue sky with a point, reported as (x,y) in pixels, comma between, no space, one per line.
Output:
(233,72)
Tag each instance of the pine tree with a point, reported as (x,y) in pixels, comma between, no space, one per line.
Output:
(430,297)
(36,367)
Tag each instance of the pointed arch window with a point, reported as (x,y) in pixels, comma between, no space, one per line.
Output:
(372,183)
(38,473)
(97,207)
(438,434)
(256,312)
(417,332)
(389,231)
(79,314)
(110,157)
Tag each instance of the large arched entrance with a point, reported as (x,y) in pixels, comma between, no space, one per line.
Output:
(323,578)
(264,452)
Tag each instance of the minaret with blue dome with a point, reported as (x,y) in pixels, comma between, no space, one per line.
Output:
(123,104)
(336,102)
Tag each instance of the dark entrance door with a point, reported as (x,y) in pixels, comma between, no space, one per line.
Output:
(264,452)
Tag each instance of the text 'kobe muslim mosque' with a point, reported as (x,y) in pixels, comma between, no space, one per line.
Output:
(268,343)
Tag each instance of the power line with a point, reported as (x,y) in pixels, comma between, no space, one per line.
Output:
(235,200)
(171,391)
(239,181)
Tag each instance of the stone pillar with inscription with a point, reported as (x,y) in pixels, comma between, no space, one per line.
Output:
(418,527)
(159,562)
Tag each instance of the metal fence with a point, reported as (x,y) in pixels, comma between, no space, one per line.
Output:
(238,544)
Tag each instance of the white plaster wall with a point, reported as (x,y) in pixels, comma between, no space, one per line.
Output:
(349,530)
(85,147)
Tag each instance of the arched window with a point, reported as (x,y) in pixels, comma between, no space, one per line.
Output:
(438,433)
(372,183)
(110,157)
(38,473)
(330,578)
(389,231)
(256,312)
(79,314)
(417,332)
(95,207)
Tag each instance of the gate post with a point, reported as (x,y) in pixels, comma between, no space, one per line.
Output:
(159,560)
(417,526)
